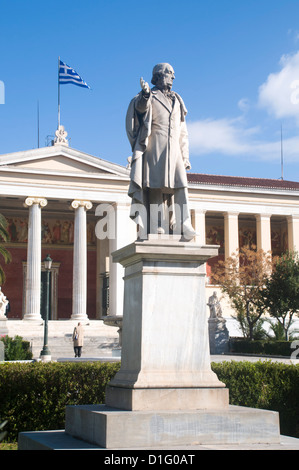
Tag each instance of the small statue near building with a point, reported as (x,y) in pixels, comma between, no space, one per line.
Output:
(215,307)
(3,305)
(218,332)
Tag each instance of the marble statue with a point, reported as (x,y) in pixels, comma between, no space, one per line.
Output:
(3,304)
(218,332)
(156,128)
(215,307)
(61,136)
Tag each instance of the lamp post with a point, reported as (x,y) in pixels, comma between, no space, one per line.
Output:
(45,354)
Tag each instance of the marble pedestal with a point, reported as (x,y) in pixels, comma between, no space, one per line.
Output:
(165,344)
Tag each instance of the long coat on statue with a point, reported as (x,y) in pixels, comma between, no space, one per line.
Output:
(157,131)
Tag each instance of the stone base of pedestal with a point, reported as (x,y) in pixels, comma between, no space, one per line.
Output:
(153,399)
(115,429)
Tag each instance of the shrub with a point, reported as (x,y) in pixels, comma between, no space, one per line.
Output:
(266,385)
(16,349)
(263,347)
(33,396)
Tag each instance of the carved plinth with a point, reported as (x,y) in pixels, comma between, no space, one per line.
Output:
(165,343)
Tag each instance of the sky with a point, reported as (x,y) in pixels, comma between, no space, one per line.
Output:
(236,65)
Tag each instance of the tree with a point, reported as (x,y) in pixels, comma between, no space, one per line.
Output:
(4,237)
(281,292)
(243,277)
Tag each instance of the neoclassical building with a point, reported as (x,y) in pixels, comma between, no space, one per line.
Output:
(233,211)
(50,197)
(55,197)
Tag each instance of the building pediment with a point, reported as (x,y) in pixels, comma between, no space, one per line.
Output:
(61,159)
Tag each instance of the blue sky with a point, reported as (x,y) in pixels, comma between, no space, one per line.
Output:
(235,64)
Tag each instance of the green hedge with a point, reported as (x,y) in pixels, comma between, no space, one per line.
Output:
(33,396)
(266,385)
(260,347)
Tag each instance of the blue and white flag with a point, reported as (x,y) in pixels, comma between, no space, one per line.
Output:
(69,75)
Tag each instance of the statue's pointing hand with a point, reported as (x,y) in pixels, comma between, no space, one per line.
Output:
(145,86)
(187,165)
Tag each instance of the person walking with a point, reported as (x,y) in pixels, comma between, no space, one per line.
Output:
(78,336)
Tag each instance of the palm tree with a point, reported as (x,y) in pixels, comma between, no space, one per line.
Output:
(4,237)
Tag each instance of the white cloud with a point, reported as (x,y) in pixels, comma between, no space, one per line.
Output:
(294,34)
(279,96)
(244,105)
(279,93)
(219,135)
(225,136)
(232,137)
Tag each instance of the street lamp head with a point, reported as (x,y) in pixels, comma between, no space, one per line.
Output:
(48,262)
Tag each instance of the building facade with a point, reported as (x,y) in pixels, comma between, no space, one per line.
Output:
(50,197)
(57,200)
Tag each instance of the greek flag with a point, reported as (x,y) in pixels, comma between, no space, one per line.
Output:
(69,75)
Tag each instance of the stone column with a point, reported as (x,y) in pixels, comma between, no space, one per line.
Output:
(80,260)
(33,280)
(293,232)
(263,232)
(231,233)
(199,217)
(124,233)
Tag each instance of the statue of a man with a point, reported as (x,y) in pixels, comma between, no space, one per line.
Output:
(157,131)
(3,304)
(215,307)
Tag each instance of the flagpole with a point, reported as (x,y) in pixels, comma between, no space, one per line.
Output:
(58,94)
(37,123)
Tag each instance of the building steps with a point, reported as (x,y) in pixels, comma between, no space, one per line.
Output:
(100,340)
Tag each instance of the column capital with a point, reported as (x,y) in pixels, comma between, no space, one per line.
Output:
(230,214)
(41,201)
(80,203)
(198,210)
(263,216)
(292,218)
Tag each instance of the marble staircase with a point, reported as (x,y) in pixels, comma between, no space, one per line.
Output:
(100,340)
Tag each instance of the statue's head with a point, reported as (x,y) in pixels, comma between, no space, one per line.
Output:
(163,76)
